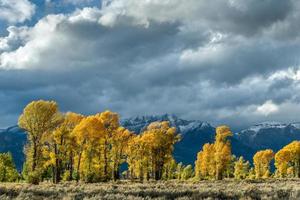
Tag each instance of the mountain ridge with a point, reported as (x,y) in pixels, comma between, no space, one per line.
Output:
(195,133)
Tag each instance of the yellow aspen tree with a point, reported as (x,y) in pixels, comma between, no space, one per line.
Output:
(162,138)
(205,163)
(151,150)
(222,150)
(214,159)
(59,147)
(139,158)
(38,118)
(287,160)
(262,161)
(294,148)
(198,162)
(71,120)
(88,133)
(111,124)
(282,159)
(119,147)
(241,168)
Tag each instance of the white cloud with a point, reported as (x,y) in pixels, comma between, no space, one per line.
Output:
(290,73)
(267,108)
(36,41)
(15,11)
(86,14)
(156,56)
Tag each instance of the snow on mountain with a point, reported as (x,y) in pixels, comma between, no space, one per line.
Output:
(273,135)
(138,124)
(268,125)
(296,125)
(194,135)
(265,125)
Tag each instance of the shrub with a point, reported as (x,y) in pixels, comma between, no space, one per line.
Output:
(34,177)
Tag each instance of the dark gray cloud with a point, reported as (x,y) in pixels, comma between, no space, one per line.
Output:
(220,61)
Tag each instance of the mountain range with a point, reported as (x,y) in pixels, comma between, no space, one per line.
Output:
(194,134)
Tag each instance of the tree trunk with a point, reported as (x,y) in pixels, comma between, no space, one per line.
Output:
(105,160)
(78,167)
(34,156)
(53,174)
(71,166)
(57,166)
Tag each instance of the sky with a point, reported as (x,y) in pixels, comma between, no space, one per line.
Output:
(231,62)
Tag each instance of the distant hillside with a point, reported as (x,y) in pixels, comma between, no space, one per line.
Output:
(194,134)
(13,140)
(269,135)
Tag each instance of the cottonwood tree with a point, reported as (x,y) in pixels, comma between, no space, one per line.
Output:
(59,147)
(287,160)
(214,159)
(88,134)
(38,119)
(205,163)
(150,151)
(262,161)
(223,150)
(111,124)
(119,149)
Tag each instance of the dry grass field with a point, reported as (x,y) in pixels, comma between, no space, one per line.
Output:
(226,189)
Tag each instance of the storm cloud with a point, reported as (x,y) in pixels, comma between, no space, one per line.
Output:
(232,62)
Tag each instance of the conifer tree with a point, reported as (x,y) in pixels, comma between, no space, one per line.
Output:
(8,171)
(241,168)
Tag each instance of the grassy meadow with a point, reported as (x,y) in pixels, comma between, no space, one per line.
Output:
(225,189)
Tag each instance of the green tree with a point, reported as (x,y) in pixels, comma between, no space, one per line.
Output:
(8,171)
(187,173)
(241,168)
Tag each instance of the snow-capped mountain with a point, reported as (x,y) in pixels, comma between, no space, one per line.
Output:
(194,134)
(273,135)
(138,124)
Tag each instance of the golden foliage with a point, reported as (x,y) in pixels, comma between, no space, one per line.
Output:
(262,161)
(214,159)
(287,160)
(92,148)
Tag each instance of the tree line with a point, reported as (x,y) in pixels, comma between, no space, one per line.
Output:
(96,148)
